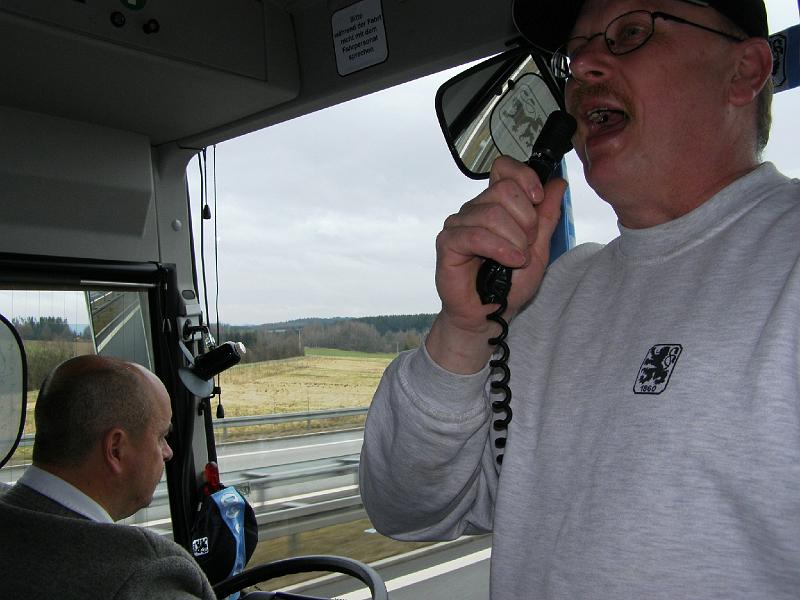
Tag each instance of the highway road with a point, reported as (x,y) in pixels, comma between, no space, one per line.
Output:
(269,472)
(241,456)
(268,453)
(449,570)
(457,569)
(454,570)
(266,463)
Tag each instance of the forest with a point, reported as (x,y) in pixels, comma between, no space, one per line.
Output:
(48,329)
(51,340)
(270,341)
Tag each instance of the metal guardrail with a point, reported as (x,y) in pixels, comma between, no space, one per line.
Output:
(254,420)
(341,466)
(292,518)
(341,504)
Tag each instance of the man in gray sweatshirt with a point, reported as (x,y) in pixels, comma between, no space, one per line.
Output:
(654,450)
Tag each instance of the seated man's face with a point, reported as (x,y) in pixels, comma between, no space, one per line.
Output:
(151,449)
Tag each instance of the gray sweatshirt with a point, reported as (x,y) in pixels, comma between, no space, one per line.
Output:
(654,450)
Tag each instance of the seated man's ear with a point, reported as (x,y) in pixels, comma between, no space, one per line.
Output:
(753,68)
(115,448)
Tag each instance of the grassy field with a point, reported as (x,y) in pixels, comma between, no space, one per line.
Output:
(318,381)
(323,379)
(348,354)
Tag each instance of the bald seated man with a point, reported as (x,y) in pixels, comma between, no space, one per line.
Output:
(100,447)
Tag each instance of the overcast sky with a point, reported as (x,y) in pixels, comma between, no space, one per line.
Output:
(335,213)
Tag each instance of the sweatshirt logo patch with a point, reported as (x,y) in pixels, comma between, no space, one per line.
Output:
(200,546)
(657,368)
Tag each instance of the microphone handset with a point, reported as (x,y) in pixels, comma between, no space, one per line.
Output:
(494,280)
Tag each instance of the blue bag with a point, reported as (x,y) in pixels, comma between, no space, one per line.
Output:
(224,534)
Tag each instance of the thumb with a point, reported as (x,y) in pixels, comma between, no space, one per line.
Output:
(548,213)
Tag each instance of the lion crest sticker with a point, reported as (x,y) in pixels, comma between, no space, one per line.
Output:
(657,368)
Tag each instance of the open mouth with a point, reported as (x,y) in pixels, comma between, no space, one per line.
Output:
(602,118)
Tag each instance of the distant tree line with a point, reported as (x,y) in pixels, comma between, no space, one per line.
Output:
(392,333)
(261,343)
(53,341)
(48,329)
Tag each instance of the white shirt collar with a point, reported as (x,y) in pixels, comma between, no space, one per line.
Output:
(65,494)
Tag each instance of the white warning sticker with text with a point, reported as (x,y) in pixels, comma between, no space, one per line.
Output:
(359,37)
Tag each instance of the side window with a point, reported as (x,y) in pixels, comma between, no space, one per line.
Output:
(120,325)
(56,325)
(325,229)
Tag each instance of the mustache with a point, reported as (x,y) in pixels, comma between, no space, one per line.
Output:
(596,90)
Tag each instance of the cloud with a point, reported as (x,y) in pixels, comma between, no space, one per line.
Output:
(335,213)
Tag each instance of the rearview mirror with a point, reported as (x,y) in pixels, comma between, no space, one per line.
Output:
(13,389)
(496,107)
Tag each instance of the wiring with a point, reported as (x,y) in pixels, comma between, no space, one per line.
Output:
(493,284)
(501,406)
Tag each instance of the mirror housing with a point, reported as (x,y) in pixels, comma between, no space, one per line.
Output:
(497,107)
(13,389)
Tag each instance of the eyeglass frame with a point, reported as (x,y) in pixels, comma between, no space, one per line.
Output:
(560,60)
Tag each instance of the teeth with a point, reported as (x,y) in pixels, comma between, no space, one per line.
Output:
(599,115)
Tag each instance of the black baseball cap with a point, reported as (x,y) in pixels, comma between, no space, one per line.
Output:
(547,23)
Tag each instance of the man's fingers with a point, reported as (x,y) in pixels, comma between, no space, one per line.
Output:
(505,167)
(548,213)
(498,225)
(458,245)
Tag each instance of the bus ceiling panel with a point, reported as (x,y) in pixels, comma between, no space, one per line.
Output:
(350,48)
(70,188)
(167,70)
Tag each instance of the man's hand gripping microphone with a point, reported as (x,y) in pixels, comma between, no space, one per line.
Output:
(494,280)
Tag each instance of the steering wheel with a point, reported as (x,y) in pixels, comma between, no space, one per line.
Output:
(301,564)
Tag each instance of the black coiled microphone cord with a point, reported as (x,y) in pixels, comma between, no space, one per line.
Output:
(494,280)
(493,284)
(501,385)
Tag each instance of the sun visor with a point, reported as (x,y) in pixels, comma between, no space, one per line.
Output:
(61,196)
(167,70)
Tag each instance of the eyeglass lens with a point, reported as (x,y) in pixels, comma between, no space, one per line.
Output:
(624,34)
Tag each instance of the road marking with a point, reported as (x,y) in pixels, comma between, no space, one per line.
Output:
(276,501)
(423,575)
(291,449)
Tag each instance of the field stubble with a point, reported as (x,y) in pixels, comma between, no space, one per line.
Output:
(301,384)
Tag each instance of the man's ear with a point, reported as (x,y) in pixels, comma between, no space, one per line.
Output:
(753,67)
(114,446)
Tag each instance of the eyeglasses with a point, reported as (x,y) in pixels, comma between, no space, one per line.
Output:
(626,33)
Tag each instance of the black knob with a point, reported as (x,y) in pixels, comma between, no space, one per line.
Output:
(151,26)
(117,19)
